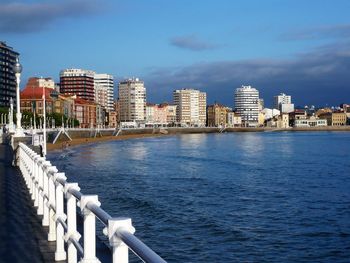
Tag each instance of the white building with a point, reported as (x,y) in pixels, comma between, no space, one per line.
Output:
(132,100)
(283,103)
(233,120)
(191,107)
(104,89)
(247,105)
(310,122)
(46,83)
(270,113)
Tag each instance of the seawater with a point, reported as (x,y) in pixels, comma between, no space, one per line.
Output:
(231,197)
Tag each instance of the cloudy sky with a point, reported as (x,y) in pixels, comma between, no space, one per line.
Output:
(297,47)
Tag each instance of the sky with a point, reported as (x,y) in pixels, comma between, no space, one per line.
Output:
(293,46)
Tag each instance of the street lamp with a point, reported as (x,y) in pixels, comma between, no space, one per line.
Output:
(18,70)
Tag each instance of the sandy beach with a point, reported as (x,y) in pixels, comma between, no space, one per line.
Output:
(79,141)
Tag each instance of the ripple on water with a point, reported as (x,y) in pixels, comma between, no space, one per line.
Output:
(242,197)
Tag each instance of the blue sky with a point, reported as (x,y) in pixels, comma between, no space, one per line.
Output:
(292,46)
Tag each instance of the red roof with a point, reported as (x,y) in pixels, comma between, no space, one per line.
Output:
(82,101)
(35,93)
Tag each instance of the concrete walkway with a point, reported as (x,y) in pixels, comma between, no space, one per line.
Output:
(22,237)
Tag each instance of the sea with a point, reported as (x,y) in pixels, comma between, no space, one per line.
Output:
(230,197)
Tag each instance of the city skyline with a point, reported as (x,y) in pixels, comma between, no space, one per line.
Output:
(293,47)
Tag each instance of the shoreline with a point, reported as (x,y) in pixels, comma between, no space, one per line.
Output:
(83,141)
(80,138)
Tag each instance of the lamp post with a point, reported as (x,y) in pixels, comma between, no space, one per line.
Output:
(18,70)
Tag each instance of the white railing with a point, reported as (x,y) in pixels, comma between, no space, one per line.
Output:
(48,188)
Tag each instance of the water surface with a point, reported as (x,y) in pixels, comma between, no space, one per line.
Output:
(234,197)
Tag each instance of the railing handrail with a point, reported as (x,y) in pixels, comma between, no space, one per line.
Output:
(42,178)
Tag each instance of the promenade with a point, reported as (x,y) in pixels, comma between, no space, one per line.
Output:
(22,237)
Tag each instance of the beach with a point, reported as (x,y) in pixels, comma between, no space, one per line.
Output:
(79,141)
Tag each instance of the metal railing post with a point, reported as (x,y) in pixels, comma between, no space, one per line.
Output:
(51,236)
(71,221)
(60,253)
(45,167)
(89,229)
(120,249)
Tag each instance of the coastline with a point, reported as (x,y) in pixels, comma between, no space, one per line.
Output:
(80,141)
(79,137)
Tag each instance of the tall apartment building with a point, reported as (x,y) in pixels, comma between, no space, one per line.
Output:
(191,107)
(246,102)
(104,89)
(7,76)
(132,100)
(283,103)
(78,82)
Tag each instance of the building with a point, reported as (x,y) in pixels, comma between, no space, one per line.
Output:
(270,113)
(191,107)
(104,91)
(132,101)
(233,120)
(334,118)
(78,82)
(281,99)
(217,115)
(35,82)
(85,112)
(112,119)
(261,104)
(156,114)
(246,102)
(64,104)
(297,114)
(261,119)
(171,114)
(283,121)
(310,122)
(32,100)
(7,76)
(283,103)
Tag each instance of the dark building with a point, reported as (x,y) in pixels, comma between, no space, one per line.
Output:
(7,76)
(78,82)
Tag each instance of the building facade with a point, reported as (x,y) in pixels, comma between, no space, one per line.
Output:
(217,115)
(334,118)
(246,102)
(132,101)
(233,120)
(85,112)
(78,82)
(156,114)
(283,103)
(171,114)
(35,82)
(32,100)
(7,76)
(191,107)
(310,122)
(104,90)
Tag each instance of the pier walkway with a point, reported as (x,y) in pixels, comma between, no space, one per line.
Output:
(22,237)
